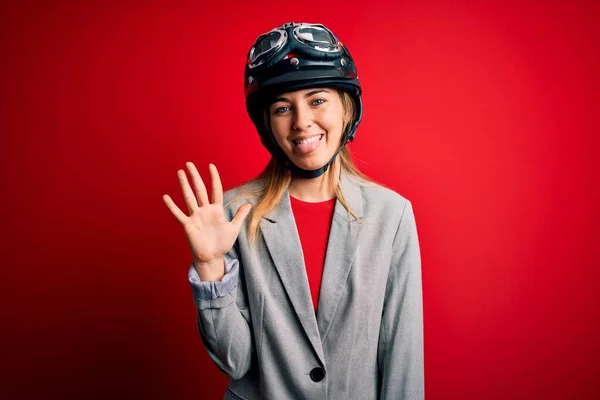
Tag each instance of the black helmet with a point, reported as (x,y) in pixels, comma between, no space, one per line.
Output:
(298,56)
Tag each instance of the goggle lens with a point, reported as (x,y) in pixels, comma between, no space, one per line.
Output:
(317,37)
(265,46)
(267,42)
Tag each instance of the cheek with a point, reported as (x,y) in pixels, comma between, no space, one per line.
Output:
(279,129)
(334,123)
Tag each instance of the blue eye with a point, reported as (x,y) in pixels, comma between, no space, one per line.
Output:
(281,110)
(316,102)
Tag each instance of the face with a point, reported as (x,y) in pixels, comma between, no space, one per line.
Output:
(307,124)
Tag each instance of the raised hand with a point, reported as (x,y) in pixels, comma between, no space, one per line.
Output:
(209,234)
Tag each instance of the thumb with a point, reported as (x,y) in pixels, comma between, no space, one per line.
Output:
(241,215)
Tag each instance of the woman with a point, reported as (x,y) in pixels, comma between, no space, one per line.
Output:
(318,294)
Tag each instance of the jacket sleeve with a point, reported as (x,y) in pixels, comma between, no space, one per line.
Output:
(223,318)
(203,291)
(400,351)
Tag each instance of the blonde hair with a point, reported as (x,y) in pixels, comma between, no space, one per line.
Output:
(275,179)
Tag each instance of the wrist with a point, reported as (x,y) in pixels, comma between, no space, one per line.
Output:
(213,270)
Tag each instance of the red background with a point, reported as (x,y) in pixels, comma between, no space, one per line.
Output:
(483,114)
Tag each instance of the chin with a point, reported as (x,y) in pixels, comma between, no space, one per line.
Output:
(310,164)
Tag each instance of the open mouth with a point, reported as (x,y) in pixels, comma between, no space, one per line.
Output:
(308,140)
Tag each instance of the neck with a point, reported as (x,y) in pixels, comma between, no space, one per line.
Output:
(313,190)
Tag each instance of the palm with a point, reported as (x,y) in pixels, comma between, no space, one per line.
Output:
(209,233)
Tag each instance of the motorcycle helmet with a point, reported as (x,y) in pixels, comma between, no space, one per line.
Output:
(292,57)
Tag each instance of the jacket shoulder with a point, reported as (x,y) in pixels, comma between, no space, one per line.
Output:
(379,194)
(382,203)
(238,195)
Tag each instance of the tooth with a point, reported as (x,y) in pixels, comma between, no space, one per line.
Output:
(309,140)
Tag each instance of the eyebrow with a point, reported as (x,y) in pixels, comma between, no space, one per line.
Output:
(311,93)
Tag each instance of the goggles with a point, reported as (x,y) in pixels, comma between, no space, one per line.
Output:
(314,36)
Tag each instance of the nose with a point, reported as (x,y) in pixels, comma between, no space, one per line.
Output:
(303,117)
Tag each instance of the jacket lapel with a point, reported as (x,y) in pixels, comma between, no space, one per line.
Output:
(282,239)
(341,248)
(283,242)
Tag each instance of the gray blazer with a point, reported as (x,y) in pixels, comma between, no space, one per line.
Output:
(366,341)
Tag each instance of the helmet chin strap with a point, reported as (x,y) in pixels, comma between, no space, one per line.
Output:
(311,174)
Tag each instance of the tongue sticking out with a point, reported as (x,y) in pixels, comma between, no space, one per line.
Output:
(306,148)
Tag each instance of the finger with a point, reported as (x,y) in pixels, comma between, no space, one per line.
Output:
(198,184)
(188,194)
(241,215)
(217,187)
(181,217)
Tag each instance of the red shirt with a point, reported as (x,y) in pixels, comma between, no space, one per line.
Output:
(313,221)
